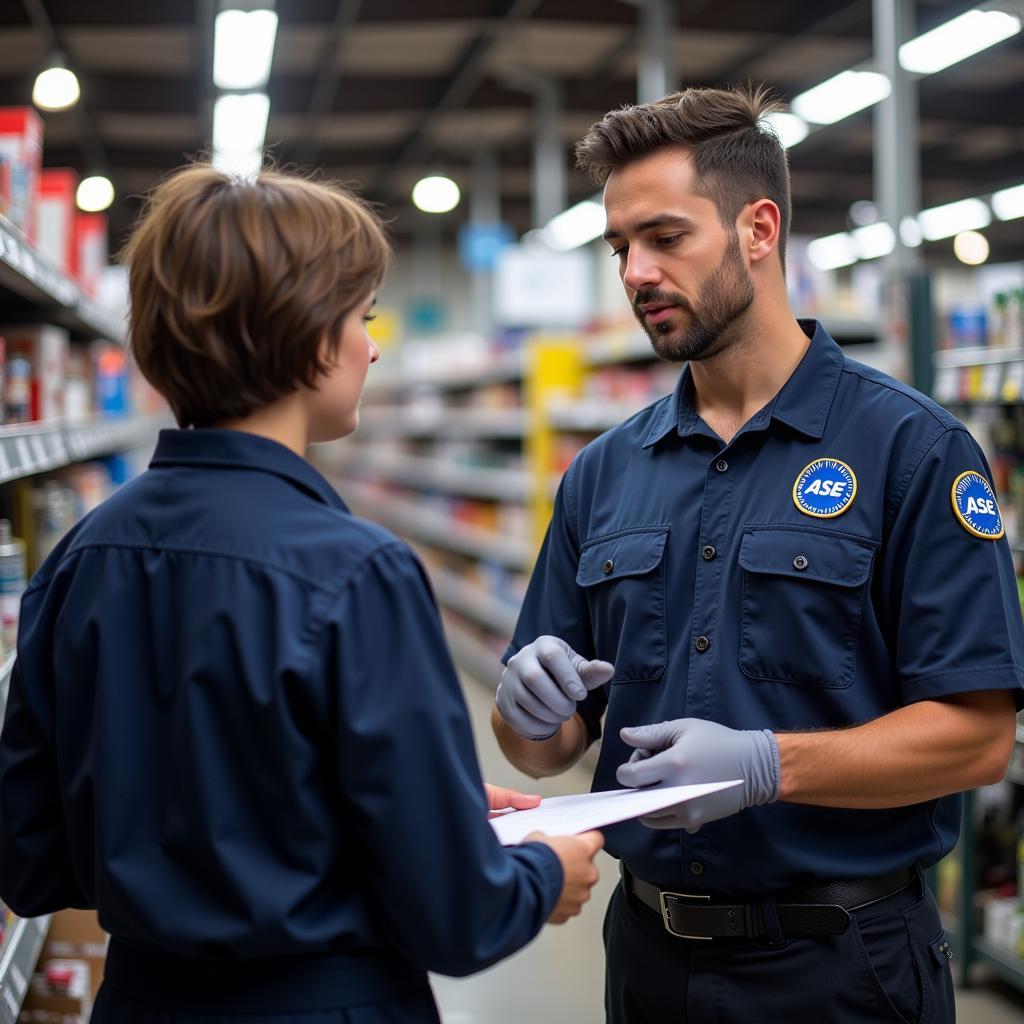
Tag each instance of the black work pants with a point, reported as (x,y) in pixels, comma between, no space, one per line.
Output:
(890,965)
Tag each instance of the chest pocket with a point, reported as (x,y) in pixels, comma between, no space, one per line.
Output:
(624,577)
(802,603)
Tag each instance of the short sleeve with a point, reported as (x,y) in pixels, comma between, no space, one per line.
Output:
(953,606)
(554,604)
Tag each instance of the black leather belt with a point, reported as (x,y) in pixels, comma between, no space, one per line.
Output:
(819,910)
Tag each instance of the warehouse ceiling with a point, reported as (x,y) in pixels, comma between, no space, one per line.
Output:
(381,91)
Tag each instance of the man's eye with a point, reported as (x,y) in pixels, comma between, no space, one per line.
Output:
(621,251)
(669,239)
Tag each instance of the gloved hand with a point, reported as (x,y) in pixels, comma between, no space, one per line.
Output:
(542,684)
(690,750)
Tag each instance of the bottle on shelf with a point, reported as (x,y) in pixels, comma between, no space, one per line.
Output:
(13,580)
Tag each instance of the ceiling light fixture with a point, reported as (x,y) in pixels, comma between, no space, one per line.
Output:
(971,247)
(957,39)
(1008,203)
(833,251)
(840,96)
(56,87)
(240,122)
(790,129)
(243,48)
(436,194)
(874,240)
(576,226)
(94,194)
(952,218)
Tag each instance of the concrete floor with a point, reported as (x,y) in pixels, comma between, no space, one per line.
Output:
(560,976)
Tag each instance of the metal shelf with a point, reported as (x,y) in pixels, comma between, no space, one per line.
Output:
(473,656)
(978,356)
(592,415)
(474,603)
(30,448)
(408,519)
(490,368)
(18,959)
(453,424)
(1003,961)
(511,485)
(36,281)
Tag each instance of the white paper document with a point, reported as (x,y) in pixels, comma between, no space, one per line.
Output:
(570,815)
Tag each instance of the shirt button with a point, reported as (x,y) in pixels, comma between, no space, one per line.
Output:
(696,868)
(707,552)
(721,465)
(608,567)
(800,562)
(702,643)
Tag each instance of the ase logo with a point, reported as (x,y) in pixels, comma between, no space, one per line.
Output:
(825,488)
(975,505)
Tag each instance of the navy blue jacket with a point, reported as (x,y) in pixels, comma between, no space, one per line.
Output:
(235,729)
(813,573)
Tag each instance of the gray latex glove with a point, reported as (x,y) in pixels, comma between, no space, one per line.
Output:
(691,750)
(542,684)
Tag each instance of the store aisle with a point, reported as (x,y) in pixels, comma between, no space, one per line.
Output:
(560,976)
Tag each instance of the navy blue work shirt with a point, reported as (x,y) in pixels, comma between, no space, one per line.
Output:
(723,584)
(235,729)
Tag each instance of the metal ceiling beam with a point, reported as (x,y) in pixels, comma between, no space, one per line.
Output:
(328,75)
(88,136)
(458,89)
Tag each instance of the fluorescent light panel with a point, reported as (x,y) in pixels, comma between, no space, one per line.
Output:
(243,164)
(1008,203)
(952,218)
(833,251)
(240,122)
(840,96)
(243,48)
(874,240)
(790,129)
(576,226)
(957,39)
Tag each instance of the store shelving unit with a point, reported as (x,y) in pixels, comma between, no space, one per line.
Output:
(33,289)
(24,938)
(30,281)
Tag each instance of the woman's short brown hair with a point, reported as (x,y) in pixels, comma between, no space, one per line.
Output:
(737,158)
(236,284)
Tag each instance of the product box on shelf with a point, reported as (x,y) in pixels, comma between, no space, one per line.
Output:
(89,250)
(21,148)
(55,216)
(77,935)
(45,348)
(61,988)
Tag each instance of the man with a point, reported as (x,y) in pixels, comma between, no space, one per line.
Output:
(791,572)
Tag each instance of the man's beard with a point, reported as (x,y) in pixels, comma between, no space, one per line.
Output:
(727,293)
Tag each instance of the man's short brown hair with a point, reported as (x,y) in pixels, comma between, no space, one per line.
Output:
(737,158)
(236,285)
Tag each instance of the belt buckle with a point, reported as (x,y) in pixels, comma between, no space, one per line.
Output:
(666,919)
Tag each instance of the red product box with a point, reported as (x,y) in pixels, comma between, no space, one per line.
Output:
(55,216)
(21,148)
(90,250)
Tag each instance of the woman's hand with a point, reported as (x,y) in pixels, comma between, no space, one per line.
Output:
(499,798)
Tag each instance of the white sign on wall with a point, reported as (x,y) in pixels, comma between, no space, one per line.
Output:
(538,287)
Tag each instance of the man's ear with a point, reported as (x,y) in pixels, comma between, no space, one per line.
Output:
(761,226)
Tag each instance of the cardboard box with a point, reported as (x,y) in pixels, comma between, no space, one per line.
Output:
(46,348)
(60,987)
(21,147)
(55,216)
(77,935)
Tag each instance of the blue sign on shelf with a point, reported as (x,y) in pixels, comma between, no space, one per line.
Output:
(479,244)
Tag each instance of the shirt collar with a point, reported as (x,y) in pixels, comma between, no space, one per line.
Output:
(234,449)
(803,403)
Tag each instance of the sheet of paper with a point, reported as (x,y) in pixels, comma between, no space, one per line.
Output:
(570,815)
